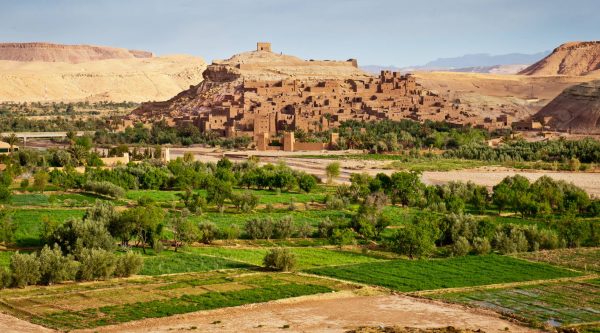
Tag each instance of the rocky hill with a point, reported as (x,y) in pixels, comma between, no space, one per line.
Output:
(73,54)
(576,109)
(574,58)
(40,72)
(261,91)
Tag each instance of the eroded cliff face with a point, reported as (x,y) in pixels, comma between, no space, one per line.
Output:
(574,58)
(48,52)
(576,109)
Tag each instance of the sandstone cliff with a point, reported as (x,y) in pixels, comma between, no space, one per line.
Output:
(576,109)
(41,72)
(47,52)
(574,58)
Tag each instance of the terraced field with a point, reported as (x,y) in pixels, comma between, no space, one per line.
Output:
(553,304)
(415,275)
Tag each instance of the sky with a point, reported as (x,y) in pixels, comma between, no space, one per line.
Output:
(376,32)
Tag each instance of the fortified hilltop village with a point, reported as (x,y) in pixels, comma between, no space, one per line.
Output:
(265,95)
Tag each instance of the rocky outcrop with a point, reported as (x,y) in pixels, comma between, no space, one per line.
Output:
(574,58)
(47,52)
(576,109)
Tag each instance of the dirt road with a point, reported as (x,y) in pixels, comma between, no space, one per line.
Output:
(330,313)
(10,324)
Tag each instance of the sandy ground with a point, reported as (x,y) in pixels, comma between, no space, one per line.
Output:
(331,313)
(487,176)
(10,324)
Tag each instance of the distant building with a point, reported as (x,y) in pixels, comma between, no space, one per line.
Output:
(5,148)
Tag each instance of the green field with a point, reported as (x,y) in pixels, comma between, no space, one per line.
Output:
(312,217)
(554,304)
(168,262)
(29,223)
(583,259)
(415,275)
(67,307)
(305,257)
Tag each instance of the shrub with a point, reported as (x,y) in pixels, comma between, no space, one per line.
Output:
(231,232)
(482,245)
(245,201)
(207,232)
(25,269)
(105,188)
(305,230)
(54,267)
(259,228)
(335,202)
(5,278)
(284,228)
(96,264)
(280,259)
(325,228)
(129,264)
(5,193)
(24,183)
(341,237)
(461,247)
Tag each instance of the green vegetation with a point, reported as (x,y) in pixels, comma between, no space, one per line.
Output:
(583,259)
(168,262)
(306,258)
(411,275)
(551,304)
(154,297)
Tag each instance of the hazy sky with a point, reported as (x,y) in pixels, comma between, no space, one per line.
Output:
(383,32)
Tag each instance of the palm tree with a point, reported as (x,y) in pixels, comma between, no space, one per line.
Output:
(11,140)
(71,135)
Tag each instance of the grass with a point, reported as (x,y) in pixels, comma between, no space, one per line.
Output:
(5,258)
(266,196)
(415,275)
(30,221)
(60,199)
(313,217)
(73,306)
(168,262)
(584,259)
(306,258)
(553,304)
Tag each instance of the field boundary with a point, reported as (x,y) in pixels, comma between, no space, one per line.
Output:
(501,285)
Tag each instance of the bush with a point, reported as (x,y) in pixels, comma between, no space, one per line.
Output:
(25,269)
(5,278)
(54,267)
(207,232)
(259,228)
(341,237)
(325,228)
(335,202)
(96,264)
(280,259)
(305,230)
(105,188)
(284,228)
(231,232)
(461,247)
(245,202)
(129,264)
(5,193)
(24,183)
(482,245)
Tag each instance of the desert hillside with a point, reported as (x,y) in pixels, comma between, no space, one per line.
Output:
(574,58)
(73,54)
(576,109)
(38,72)
(523,95)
